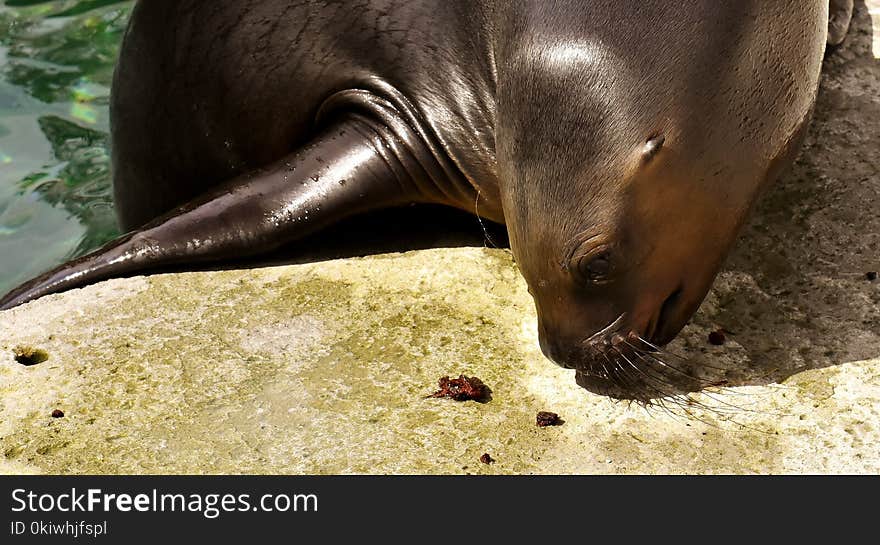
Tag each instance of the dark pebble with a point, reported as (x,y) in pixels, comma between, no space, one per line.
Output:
(57,413)
(486,459)
(717,338)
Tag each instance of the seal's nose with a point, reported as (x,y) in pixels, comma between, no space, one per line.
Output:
(551,348)
(564,331)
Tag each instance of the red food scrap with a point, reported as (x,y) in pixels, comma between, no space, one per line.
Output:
(546,418)
(463,388)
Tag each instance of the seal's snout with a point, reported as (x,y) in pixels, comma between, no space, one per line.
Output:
(624,358)
(557,348)
(623,364)
(552,350)
(576,352)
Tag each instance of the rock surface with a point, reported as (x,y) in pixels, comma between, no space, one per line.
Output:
(326,367)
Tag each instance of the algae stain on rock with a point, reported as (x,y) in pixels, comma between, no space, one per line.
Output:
(816,386)
(693,447)
(369,381)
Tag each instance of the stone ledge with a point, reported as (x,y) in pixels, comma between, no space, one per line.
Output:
(324,368)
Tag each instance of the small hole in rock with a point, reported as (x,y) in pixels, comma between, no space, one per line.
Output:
(28,356)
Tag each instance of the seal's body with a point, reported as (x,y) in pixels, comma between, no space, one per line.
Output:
(240,84)
(622,143)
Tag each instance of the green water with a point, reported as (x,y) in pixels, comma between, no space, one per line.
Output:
(57,62)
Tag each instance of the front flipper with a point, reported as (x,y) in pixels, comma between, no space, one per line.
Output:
(349,168)
(839,17)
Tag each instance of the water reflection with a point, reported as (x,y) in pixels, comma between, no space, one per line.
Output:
(56,64)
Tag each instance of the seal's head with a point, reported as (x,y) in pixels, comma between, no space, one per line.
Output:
(629,161)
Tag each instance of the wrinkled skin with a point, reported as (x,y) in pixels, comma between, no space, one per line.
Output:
(622,143)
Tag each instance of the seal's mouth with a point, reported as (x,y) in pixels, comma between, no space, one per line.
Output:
(628,366)
(621,363)
(628,358)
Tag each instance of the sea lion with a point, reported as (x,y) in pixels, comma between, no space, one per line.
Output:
(622,143)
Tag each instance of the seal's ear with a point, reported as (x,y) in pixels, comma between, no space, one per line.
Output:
(839,16)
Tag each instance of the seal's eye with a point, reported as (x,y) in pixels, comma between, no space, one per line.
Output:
(596,268)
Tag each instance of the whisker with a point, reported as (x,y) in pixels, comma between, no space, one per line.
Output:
(690,414)
(645,408)
(668,352)
(620,381)
(641,392)
(645,393)
(643,354)
(720,390)
(707,384)
(678,418)
(687,399)
(686,403)
(488,237)
(644,373)
(742,409)
(605,369)
(663,390)
(605,330)
(741,425)
(718,411)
